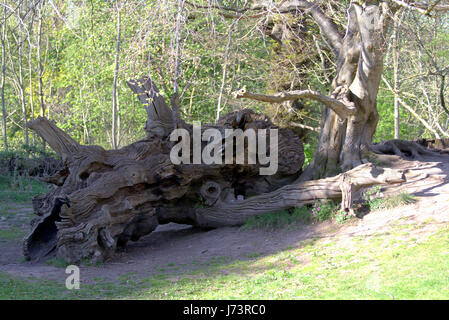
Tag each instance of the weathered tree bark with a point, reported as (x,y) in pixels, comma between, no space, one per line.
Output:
(104,198)
(347,192)
(101,194)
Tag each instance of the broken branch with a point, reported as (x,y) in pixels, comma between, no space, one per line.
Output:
(343,109)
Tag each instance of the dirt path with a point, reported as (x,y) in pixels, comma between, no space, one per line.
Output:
(187,248)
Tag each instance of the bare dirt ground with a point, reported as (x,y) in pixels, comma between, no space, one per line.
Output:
(188,247)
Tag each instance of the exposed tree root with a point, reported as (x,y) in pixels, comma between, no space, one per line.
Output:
(404,149)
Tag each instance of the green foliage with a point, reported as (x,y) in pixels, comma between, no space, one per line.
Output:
(308,154)
(270,220)
(341,216)
(324,210)
(372,197)
(409,128)
(56,262)
(78,63)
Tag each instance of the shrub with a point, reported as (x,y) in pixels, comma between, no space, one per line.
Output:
(323,210)
(303,213)
(341,216)
(20,188)
(372,197)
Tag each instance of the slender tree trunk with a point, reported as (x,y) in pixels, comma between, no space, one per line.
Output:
(118,139)
(176,113)
(40,68)
(114,85)
(48,106)
(30,75)
(5,138)
(225,68)
(21,88)
(395,50)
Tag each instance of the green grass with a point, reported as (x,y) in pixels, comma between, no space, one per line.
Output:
(324,210)
(401,199)
(12,233)
(20,189)
(278,219)
(56,262)
(382,266)
(319,212)
(393,201)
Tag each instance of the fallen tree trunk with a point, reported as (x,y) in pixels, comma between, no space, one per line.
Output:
(293,195)
(104,198)
(441,144)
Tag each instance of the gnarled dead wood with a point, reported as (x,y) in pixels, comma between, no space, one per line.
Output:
(404,148)
(347,191)
(160,117)
(105,198)
(294,195)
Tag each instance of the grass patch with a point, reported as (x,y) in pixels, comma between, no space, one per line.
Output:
(380,266)
(56,262)
(11,234)
(373,198)
(319,212)
(278,219)
(397,200)
(20,189)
